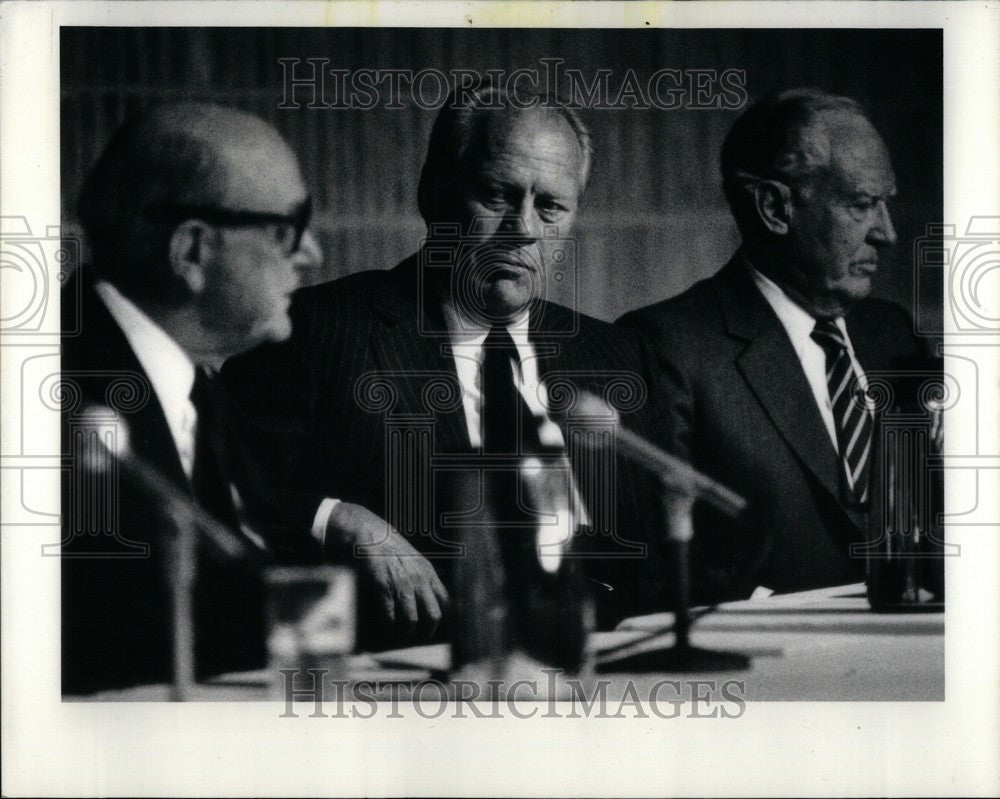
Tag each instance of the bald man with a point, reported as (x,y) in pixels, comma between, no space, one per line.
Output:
(197,218)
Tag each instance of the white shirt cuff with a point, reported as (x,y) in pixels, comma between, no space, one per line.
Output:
(322,517)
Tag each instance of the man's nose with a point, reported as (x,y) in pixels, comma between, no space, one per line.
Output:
(882,232)
(521,223)
(306,260)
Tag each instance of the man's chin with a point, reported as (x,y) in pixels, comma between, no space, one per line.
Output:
(834,298)
(278,329)
(505,300)
(857,287)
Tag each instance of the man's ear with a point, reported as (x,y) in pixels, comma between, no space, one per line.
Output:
(191,246)
(773,203)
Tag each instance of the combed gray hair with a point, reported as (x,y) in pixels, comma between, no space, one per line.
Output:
(779,138)
(454,132)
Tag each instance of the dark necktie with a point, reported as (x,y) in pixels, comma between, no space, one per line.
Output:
(851,415)
(209,477)
(229,610)
(509,427)
(543,617)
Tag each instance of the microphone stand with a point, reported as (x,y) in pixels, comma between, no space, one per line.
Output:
(185,559)
(683,656)
(681,485)
(191,522)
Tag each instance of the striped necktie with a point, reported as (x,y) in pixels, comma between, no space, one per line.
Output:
(851,415)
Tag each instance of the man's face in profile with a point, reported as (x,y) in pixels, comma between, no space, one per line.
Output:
(258,267)
(520,194)
(841,222)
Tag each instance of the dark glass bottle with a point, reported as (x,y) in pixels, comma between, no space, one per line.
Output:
(510,590)
(906,549)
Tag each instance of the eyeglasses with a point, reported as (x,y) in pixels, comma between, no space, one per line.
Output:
(288,234)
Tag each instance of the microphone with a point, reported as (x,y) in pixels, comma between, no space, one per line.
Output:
(682,486)
(677,476)
(106,441)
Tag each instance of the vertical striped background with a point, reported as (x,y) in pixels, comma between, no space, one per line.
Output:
(653,219)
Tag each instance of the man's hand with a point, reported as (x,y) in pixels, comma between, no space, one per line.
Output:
(406,587)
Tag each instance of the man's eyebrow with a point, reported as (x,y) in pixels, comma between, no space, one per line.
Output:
(488,179)
(888,193)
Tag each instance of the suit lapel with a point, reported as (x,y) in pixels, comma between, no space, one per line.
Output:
(102,350)
(773,371)
(551,352)
(413,353)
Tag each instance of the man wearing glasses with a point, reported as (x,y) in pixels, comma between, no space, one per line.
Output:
(196,216)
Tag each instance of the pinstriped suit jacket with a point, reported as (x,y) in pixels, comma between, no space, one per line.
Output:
(363,404)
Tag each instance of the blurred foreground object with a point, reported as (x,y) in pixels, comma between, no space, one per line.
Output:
(311,613)
(905,549)
(102,448)
(518,593)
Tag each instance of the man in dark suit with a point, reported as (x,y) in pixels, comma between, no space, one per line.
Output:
(386,381)
(196,215)
(763,365)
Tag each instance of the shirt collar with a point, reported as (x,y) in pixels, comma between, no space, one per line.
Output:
(169,369)
(467,332)
(796,320)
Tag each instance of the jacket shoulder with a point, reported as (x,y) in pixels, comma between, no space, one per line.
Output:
(878,316)
(874,309)
(593,333)
(356,287)
(885,328)
(693,313)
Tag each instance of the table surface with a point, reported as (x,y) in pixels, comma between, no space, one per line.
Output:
(811,646)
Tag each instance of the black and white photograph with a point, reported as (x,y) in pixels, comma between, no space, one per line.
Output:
(476,379)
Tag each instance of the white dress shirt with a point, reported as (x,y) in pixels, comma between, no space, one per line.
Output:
(466,341)
(799,325)
(171,373)
(467,338)
(168,368)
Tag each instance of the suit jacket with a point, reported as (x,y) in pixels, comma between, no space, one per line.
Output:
(737,405)
(364,404)
(116,566)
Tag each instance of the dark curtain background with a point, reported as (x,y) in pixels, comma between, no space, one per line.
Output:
(653,219)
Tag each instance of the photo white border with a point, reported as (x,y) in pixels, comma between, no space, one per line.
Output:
(56,749)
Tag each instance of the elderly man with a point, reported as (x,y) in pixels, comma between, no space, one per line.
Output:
(763,364)
(391,375)
(197,219)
